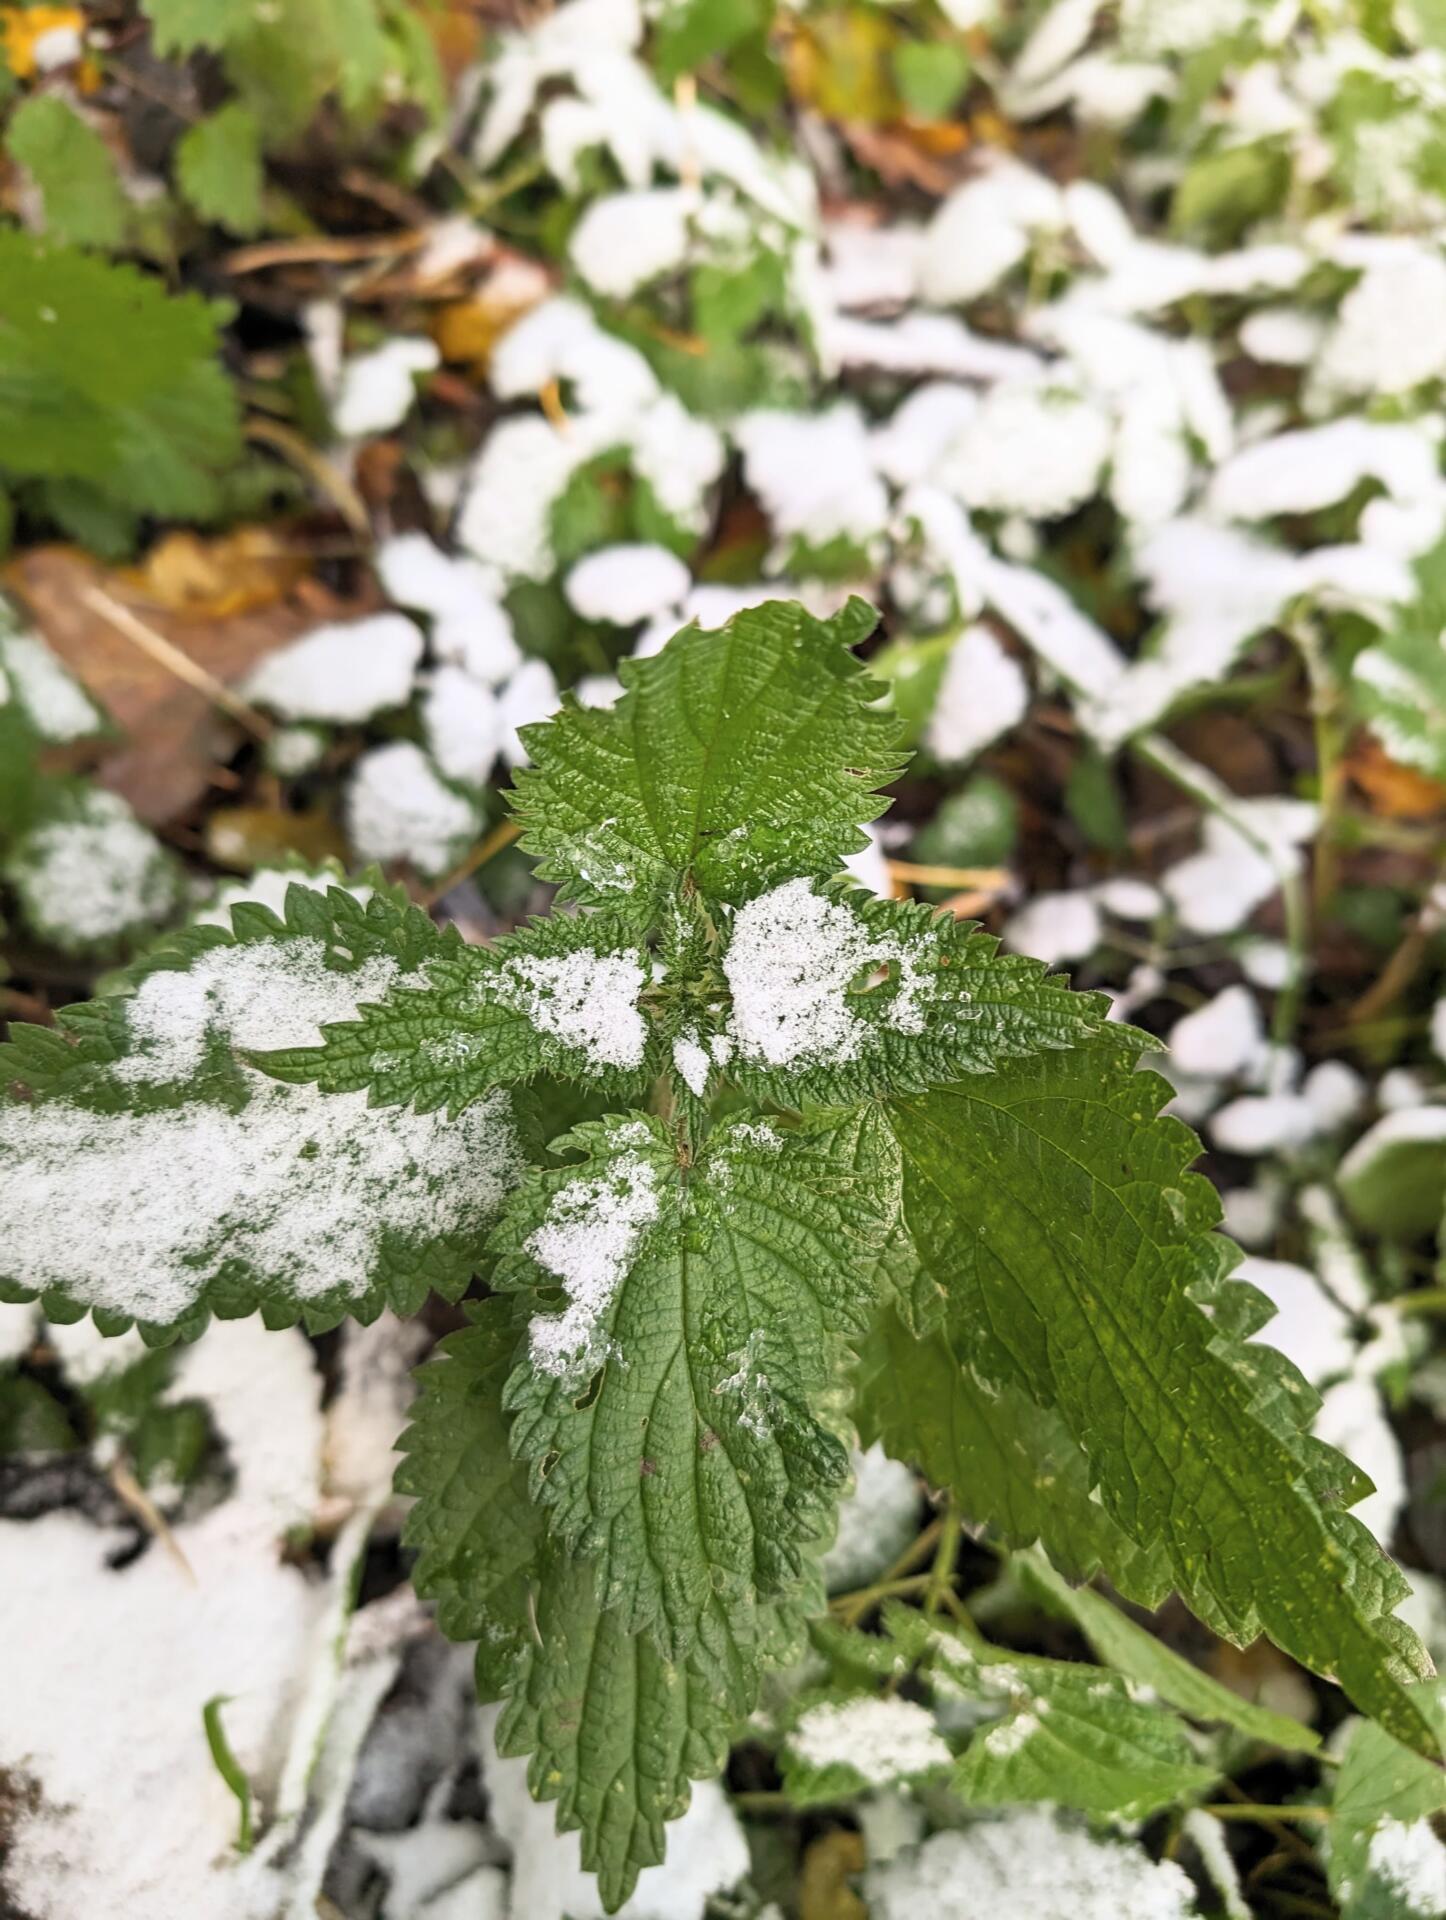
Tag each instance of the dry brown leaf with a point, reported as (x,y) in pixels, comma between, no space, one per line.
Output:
(238,572)
(467,331)
(1394,792)
(901,158)
(824,1892)
(244,838)
(172,733)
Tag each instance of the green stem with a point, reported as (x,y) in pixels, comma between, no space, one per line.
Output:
(1252,1810)
(946,1558)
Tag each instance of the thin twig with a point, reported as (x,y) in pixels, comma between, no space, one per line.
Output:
(166,654)
(326,246)
(134,1496)
(486,849)
(986,879)
(317,468)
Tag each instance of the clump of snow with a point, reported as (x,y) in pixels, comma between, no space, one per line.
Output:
(691,1060)
(983,230)
(293,751)
(1308,1328)
(588,1240)
(105,1711)
(1027,1865)
(875,1522)
(1030,448)
(342,673)
(982,694)
(257,994)
(17,1331)
(880,1739)
(1410,1862)
(377,389)
(133,1212)
(814,473)
(1130,899)
(1390,332)
(624,240)
(1352,1419)
(397,808)
(54,703)
(529,697)
(1282,336)
(462,598)
(463,721)
(369,1408)
(586,999)
(1224,1037)
(1245,858)
(790,964)
(93,877)
(624,585)
(1055,927)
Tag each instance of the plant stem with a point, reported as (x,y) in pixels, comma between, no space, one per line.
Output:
(946,1558)
(1253,1810)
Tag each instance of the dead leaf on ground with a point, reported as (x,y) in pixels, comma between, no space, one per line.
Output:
(173,734)
(241,571)
(824,1892)
(907,155)
(245,838)
(467,331)
(1393,791)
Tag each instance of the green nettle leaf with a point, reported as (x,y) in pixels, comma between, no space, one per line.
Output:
(73,168)
(1014,1463)
(218,165)
(152,1176)
(1382,1845)
(1079,1262)
(744,1156)
(836,996)
(564,996)
(1058,1730)
(735,760)
(670,1400)
(107,379)
(1128,1648)
(616,1730)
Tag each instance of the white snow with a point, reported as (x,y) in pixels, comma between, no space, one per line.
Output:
(814,473)
(1055,927)
(982,694)
(1390,332)
(87,1354)
(463,721)
(255,995)
(1030,448)
(586,999)
(377,389)
(397,808)
(879,1739)
(1410,1862)
(1244,860)
(463,599)
(1224,1037)
(104,1713)
(95,876)
(790,963)
(983,231)
(1027,1865)
(1308,1328)
(592,1230)
(625,240)
(1352,1419)
(342,673)
(624,585)
(54,702)
(692,1063)
(876,1521)
(529,697)
(132,1211)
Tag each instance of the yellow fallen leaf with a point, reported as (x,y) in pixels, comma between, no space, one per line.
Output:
(23,28)
(249,567)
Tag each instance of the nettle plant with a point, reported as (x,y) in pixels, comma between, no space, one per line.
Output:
(750,1162)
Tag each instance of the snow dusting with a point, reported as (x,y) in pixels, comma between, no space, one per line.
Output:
(588,1240)
(586,999)
(881,1740)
